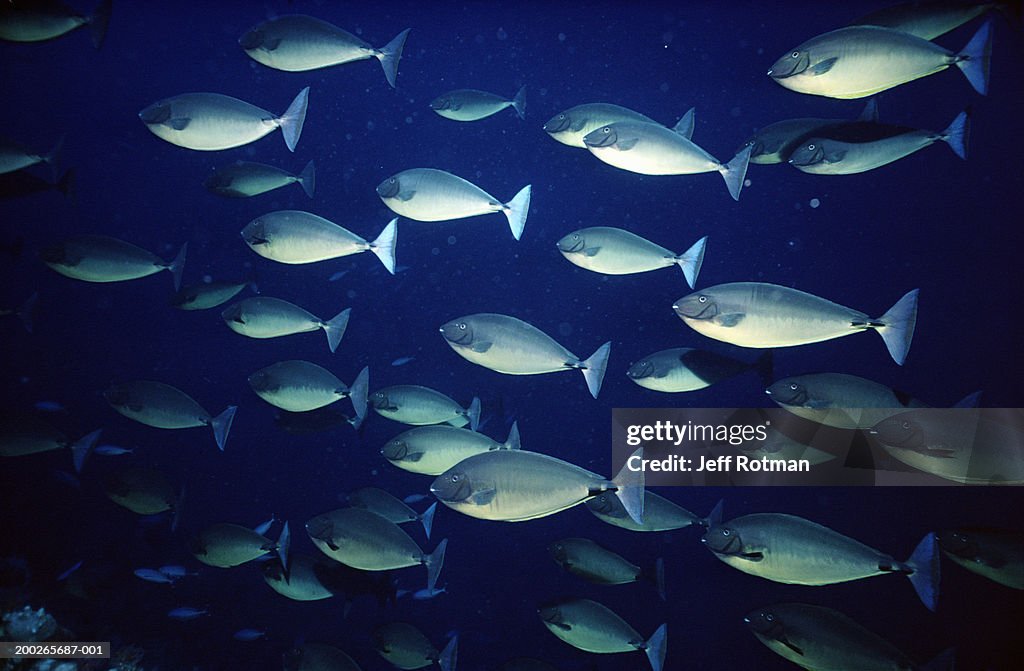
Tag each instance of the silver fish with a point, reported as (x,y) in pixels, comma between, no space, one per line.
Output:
(473,105)
(682,369)
(432,450)
(41,21)
(996,554)
(406,647)
(143,491)
(593,627)
(572,125)
(244,179)
(206,295)
(775,142)
(300,386)
(225,545)
(14,157)
(615,251)
(420,406)
(295,237)
(390,507)
(165,407)
(926,20)
(265,317)
(840,400)
(98,258)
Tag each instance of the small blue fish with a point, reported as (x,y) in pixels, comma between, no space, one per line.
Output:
(112,450)
(186,613)
(424,594)
(402,360)
(65,574)
(416,498)
(174,572)
(248,635)
(265,527)
(49,406)
(151,575)
(338,275)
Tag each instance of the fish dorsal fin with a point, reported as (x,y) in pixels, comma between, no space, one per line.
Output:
(870,112)
(685,125)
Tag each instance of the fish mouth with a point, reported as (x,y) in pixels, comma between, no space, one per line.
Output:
(600,138)
(788,66)
(691,308)
(155,114)
(571,247)
(817,156)
(455,335)
(440,104)
(796,397)
(557,125)
(388,188)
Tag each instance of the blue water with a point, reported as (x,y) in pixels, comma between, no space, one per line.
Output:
(931,221)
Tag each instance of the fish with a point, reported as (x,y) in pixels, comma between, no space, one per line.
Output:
(840,400)
(996,554)
(652,149)
(22,436)
(248,635)
(419,406)
(585,558)
(266,317)
(860,61)
(296,237)
(364,540)
(67,572)
(965,445)
(427,194)
(165,407)
(297,43)
(682,369)
(516,485)
(174,571)
(21,183)
(390,507)
(264,527)
(317,578)
(514,347)
(405,647)
(244,179)
(154,576)
(337,276)
(775,142)
(593,627)
(15,157)
(299,386)
(99,258)
(214,122)
(318,657)
(615,251)
(206,295)
(815,637)
(422,594)
(823,155)
(225,545)
(572,125)
(473,105)
(762,315)
(42,21)
(143,491)
(926,20)
(432,450)
(415,498)
(660,514)
(186,613)
(402,360)
(796,551)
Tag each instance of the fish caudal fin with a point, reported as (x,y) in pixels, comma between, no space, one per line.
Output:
(656,647)
(293,118)
(629,488)
(390,54)
(897,326)
(691,260)
(594,368)
(99,21)
(178,265)
(519,103)
(359,392)
(473,414)
(449,656)
(924,575)
(512,443)
(284,544)
(516,211)
(307,179)
(685,124)
(82,448)
(974,60)
(335,328)
(434,561)
(735,172)
(427,518)
(221,425)
(957,134)
(384,245)
(972,400)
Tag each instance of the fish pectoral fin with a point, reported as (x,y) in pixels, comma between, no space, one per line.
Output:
(591,251)
(406,195)
(730,319)
(789,645)
(178,123)
(480,346)
(835,156)
(824,66)
(752,556)
(271,44)
(626,145)
(938,452)
(483,497)
(331,544)
(577,126)
(414,457)
(561,625)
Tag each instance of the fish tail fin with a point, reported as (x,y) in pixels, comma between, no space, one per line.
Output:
(284,544)
(384,245)
(957,133)
(519,103)
(594,368)
(99,21)
(924,571)
(427,518)
(293,118)
(974,59)
(656,647)
(390,54)
(53,157)
(335,328)
(684,126)
(629,488)
(434,561)
(221,425)
(735,172)
(82,447)
(870,111)
(972,400)
(359,393)
(473,414)
(944,661)
(27,312)
(765,367)
(512,443)
(449,655)
(516,211)
(897,326)
(714,518)
(691,260)
(307,179)
(178,265)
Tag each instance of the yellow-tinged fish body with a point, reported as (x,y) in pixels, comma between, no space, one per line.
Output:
(615,251)
(165,407)
(926,19)
(418,405)
(143,491)
(404,646)
(593,627)
(660,514)
(28,21)
(226,545)
(302,581)
(295,237)
(473,105)
(840,400)
(301,386)
(572,125)
(244,179)
(432,450)
(266,317)
(99,258)
(590,561)
(682,369)
(996,554)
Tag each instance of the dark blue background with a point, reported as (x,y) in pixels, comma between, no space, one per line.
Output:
(929,221)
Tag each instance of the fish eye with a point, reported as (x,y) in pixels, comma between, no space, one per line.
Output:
(391,181)
(793,387)
(606,130)
(726,532)
(462,327)
(905,425)
(702,299)
(456,477)
(561,116)
(575,236)
(770,617)
(795,54)
(811,147)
